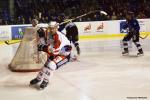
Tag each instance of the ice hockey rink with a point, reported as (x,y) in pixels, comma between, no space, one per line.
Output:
(101,73)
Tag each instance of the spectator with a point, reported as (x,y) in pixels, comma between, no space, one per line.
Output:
(114,17)
(46,10)
(141,15)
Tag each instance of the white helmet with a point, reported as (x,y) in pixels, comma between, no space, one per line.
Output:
(53,24)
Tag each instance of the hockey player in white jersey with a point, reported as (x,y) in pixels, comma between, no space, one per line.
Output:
(58,49)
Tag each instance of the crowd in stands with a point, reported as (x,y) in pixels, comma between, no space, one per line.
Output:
(47,10)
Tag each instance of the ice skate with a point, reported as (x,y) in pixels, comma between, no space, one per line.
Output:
(73,58)
(43,85)
(125,53)
(34,81)
(140,54)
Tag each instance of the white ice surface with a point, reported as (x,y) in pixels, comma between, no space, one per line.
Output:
(101,73)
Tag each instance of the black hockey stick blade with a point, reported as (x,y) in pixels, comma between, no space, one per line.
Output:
(11,42)
(6,42)
(144,36)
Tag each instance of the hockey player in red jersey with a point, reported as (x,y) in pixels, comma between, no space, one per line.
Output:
(58,49)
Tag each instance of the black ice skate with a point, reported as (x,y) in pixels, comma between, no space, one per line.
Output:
(34,81)
(125,53)
(43,85)
(140,54)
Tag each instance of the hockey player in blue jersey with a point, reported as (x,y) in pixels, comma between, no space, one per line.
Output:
(72,35)
(133,33)
(71,32)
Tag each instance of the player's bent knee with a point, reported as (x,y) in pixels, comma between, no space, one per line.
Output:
(136,42)
(52,65)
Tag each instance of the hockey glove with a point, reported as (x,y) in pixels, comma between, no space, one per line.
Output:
(68,48)
(41,32)
(42,48)
(51,57)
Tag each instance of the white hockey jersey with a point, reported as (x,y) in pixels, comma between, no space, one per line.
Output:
(56,42)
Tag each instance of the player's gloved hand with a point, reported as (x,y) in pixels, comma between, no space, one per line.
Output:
(50,49)
(68,48)
(42,47)
(51,57)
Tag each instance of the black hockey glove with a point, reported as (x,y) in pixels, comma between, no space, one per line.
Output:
(42,48)
(68,48)
(41,32)
(51,57)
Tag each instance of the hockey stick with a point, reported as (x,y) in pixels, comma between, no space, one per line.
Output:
(144,36)
(102,12)
(9,42)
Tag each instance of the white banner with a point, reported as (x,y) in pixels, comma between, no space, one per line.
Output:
(108,27)
(89,28)
(144,25)
(98,27)
(85,28)
(5,33)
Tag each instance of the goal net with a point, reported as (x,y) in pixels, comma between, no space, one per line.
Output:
(27,57)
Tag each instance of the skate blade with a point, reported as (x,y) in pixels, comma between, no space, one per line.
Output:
(127,54)
(39,88)
(73,59)
(139,55)
(33,86)
(36,86)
